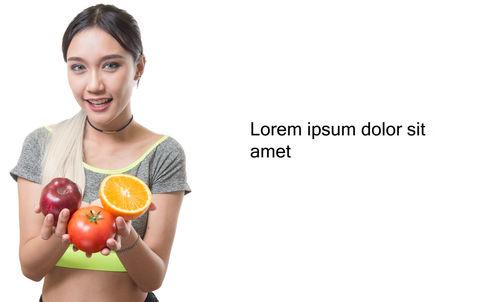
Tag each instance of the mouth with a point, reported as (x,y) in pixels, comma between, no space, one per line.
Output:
(100,102)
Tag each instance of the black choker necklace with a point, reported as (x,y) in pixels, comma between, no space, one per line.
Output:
(110,131)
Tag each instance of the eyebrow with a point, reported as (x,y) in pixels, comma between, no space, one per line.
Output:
(102,59)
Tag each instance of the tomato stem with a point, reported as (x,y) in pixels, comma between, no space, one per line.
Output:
(94,217)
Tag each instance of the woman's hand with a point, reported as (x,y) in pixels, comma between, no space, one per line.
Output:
(59,230)
(124,234)
(123,230)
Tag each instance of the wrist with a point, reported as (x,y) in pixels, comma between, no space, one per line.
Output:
(129,242)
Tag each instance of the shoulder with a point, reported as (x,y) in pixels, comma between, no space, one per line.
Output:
(37,136)
(170,144)
(168,153)
(168,167)
(41,131)
(29,163)
(165,149)
(161,142)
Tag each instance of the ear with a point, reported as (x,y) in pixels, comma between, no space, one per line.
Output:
(140,67)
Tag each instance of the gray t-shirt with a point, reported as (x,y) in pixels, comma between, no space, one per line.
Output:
(162,168)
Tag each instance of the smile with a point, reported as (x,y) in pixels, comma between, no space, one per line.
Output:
(99,102)
(99,105)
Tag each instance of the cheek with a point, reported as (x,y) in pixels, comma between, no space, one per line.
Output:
(125,84)
(76,84)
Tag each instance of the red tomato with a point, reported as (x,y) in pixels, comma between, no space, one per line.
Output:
(89,228)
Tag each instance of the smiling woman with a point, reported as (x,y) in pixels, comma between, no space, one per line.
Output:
(105,61)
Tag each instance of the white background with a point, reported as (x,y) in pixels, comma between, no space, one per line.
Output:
(346,218)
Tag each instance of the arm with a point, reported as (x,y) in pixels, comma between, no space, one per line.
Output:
(147,262)
(39,251)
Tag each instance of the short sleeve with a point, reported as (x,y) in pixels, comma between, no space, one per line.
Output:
(29,165)
(169,168)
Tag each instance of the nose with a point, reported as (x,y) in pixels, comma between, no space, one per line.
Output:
(95,83)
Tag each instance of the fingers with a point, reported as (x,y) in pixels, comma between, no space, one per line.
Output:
(66,239)
(59,230)
(75,249)
(122,227)
(62,223)
(37,208)
(47,227)
(105,251)
(113,244)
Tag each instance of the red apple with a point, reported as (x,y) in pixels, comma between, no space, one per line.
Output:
(61,193)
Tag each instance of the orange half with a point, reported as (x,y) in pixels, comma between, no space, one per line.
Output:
(124,195)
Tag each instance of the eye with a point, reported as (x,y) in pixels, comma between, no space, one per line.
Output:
(111,65)
(77,67)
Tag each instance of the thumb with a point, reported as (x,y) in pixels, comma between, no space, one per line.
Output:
(122,227)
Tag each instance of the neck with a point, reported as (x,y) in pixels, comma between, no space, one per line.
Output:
(110,131)
(126,134)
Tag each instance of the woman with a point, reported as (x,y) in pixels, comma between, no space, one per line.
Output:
(102,47)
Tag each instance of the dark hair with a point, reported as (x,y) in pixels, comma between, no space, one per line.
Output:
(116,22)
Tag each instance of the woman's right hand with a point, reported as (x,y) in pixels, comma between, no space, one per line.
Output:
(59,230)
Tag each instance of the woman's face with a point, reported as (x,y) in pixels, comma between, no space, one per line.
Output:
(99,70)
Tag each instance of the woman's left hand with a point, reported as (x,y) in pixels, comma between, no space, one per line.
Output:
(125,235)
(124,232)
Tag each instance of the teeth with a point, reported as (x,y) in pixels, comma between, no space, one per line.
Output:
(99,102)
